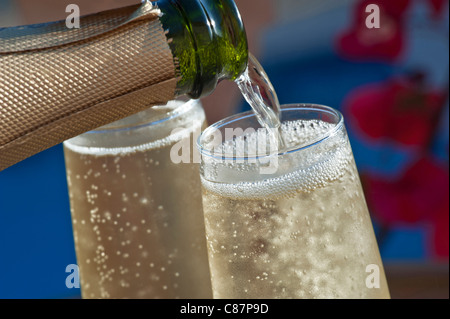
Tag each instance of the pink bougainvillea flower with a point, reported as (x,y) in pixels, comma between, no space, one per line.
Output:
(400,109)
(385,43)
(438,7)
(440,241)
(421,194)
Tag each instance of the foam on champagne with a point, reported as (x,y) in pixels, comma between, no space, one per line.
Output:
(314,166)
(101,151)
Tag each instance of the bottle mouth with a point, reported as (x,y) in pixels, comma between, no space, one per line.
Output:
(230,37)
(208,42)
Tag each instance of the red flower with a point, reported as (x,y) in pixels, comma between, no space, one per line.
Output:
(399,109)
(385,43)
(438,7)
(440,241)
(421,194)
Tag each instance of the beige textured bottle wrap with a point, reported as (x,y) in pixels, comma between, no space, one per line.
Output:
(56,83)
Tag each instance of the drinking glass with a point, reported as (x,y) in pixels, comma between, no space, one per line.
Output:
(136,206)
(291,223)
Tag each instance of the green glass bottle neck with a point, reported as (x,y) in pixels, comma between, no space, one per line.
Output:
(208,41)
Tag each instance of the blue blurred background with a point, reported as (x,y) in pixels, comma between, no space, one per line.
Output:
(308,52)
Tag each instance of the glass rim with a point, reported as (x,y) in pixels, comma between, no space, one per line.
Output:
(176,112)
(286,107)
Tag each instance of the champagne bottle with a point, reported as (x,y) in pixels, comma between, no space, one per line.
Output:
(58,82)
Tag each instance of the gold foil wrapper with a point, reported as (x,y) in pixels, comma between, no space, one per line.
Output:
(57,83)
